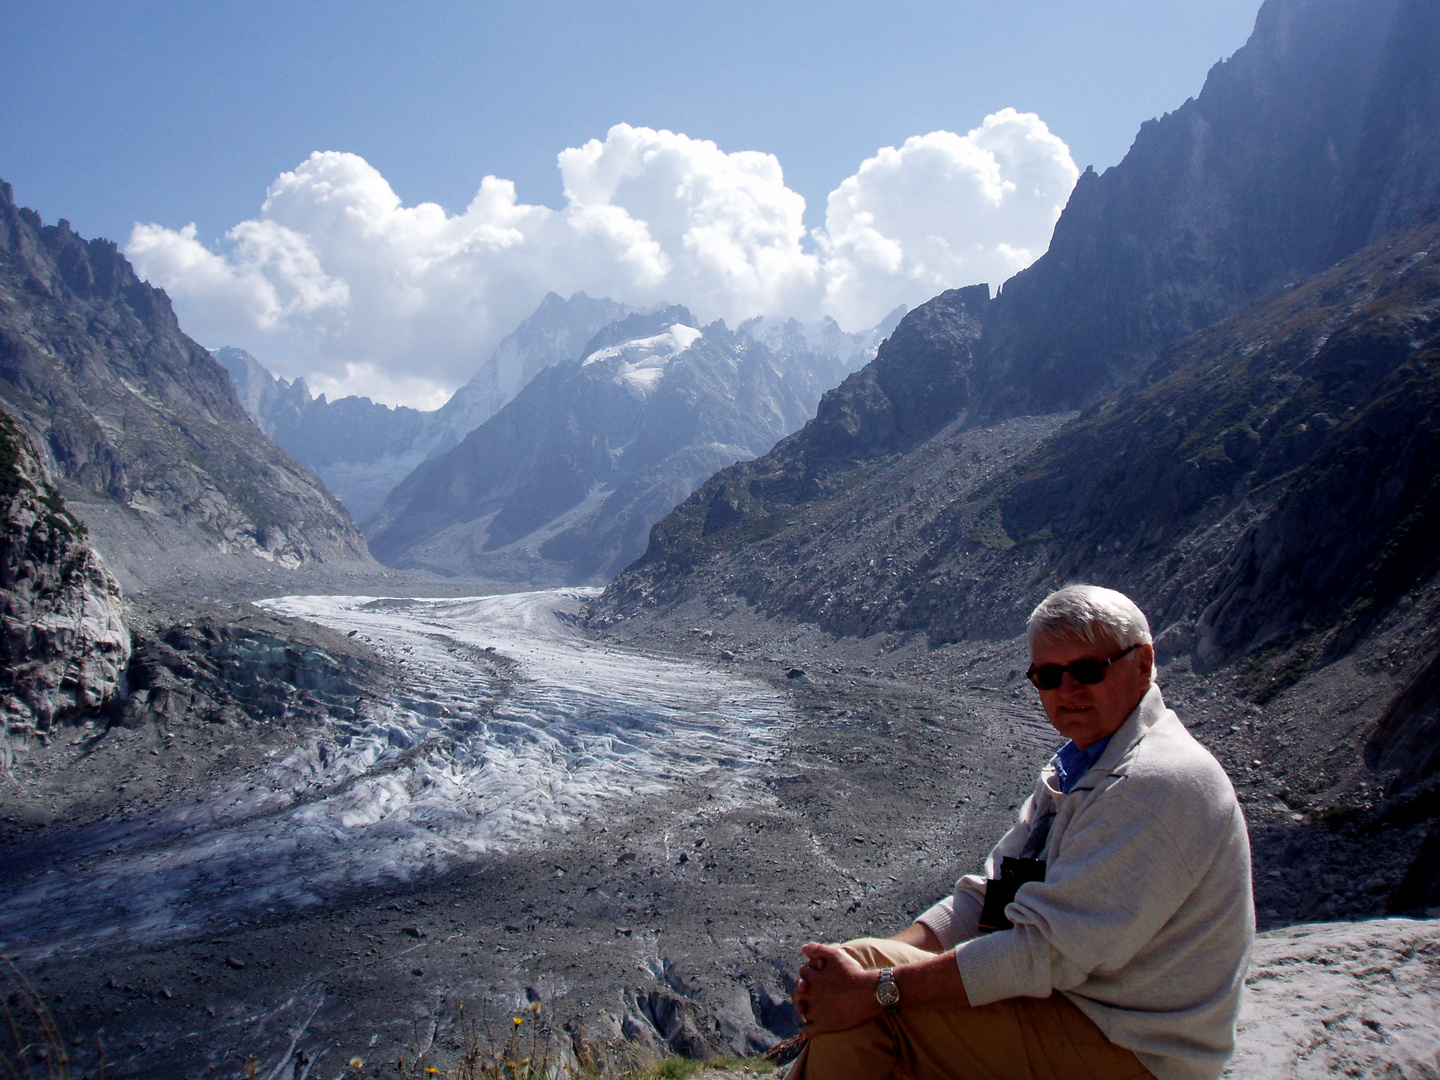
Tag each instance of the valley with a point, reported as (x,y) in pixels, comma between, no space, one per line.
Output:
(668,645)
(639,837)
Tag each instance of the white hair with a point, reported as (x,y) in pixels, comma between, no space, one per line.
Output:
(1089,613)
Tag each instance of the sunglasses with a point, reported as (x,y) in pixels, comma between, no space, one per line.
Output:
(1086,672)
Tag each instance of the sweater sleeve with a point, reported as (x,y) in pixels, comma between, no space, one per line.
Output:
(1118,879)
(956,918)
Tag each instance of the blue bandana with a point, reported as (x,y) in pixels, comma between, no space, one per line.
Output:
(1071,763)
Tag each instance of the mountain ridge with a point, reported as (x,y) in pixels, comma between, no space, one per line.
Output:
(141,426)
(1315,138)
(361,449)
(562,484)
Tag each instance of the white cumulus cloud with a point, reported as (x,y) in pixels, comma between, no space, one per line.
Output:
(360,293)
(691,223)
(943,210)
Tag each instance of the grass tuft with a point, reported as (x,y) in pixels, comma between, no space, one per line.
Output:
(528,1045)
(31,1046)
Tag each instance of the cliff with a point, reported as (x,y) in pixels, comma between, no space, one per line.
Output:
(64,645)
(1317,137)
(141,426)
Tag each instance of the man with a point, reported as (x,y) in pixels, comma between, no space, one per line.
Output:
(1122,951)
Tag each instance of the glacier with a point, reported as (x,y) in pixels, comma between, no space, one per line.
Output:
(509,726)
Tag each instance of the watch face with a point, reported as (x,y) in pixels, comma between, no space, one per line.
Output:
(886,992)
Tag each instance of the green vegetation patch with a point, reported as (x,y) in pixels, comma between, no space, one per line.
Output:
(989,529)
(1269,673)
(12,480)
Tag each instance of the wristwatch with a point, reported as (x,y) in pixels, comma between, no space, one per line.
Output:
(886,992)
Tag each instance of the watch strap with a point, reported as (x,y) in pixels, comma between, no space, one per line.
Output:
(886,992)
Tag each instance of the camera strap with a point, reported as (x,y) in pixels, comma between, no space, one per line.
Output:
(1039,833)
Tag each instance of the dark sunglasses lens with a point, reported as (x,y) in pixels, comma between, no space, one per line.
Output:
(1047,677)
(1086,672)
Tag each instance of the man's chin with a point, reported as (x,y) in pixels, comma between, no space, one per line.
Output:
(1084,735)
(1076,725)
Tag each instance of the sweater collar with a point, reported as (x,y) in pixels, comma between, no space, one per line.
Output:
(1136,726)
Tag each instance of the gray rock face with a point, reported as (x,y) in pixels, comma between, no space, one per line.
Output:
(562,485)
(1318,136)
(64,645)
(1354,999)
(362,449)
(140,425)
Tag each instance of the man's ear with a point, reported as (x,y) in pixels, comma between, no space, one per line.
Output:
(1145,658)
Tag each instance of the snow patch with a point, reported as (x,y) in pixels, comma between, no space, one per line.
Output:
(641,363)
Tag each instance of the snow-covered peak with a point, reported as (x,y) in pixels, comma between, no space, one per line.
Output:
(791,340)
(641,363)
(785,336)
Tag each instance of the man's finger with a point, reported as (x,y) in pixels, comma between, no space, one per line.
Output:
(816,953)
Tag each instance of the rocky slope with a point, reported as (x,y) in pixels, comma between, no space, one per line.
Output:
(362,449)
(1315,138)
(562,485)
(142,428)
(64,645)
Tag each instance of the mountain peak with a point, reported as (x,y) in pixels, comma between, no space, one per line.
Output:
(639,324)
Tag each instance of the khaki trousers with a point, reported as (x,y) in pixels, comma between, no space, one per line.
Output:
(1015,1039)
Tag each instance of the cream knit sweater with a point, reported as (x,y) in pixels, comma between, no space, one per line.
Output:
(1145,918)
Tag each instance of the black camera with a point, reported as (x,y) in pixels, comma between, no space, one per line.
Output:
(1000,891)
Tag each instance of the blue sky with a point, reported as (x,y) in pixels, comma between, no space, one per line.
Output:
(121,113)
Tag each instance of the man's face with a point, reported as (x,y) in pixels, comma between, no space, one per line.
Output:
(1087,714)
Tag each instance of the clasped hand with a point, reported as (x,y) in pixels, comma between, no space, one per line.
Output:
(833,992)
